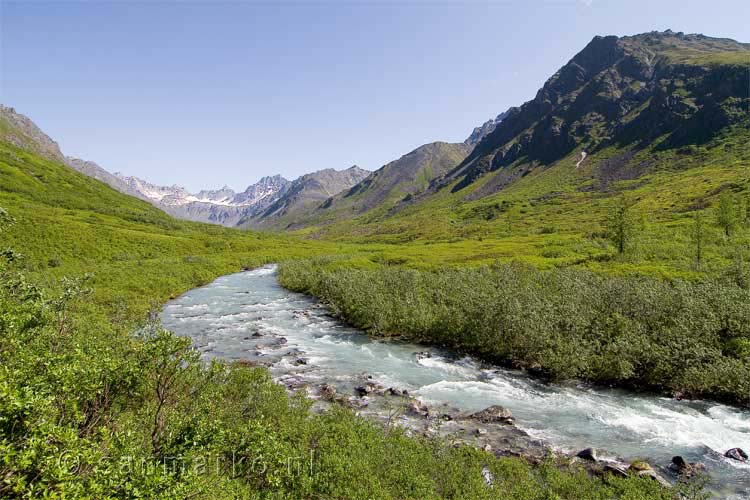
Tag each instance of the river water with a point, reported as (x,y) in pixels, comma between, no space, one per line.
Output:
(250,316)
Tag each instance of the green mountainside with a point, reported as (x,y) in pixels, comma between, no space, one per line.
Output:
(664,124)
(383,189)
(626,92)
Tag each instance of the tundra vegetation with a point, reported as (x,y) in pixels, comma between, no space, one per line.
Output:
(96,401)
(629,269)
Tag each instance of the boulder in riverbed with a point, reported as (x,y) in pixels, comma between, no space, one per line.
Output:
(327,392)
(494,414)
(684,468)
(416,407)
(643,469)
(366,389)
(587,454)
(737,454)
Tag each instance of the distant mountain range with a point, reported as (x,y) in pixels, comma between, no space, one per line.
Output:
(614,113)
(222,206)
(269,198)
(271,202)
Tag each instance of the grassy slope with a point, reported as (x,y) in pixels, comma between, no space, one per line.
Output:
(555,216)
(71,224)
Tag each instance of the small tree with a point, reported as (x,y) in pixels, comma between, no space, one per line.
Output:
(698,237)
(726,214)
(621,226)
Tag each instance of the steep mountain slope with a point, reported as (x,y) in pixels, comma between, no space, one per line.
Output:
(627,92)
(18,130)
(304,194)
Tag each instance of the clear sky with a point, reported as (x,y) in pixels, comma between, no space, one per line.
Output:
(209,93)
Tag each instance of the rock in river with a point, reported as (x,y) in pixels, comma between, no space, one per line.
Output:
(737,454)
(587,454)
(365,389)
(683,468)
(327,392)
(494,414)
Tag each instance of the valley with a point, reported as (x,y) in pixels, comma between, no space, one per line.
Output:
(582,260)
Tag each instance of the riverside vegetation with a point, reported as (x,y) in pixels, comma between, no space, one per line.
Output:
(98,402)
(689,338)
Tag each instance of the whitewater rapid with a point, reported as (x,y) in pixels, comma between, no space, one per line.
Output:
(246,316)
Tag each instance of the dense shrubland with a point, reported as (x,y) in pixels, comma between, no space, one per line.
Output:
(690,338)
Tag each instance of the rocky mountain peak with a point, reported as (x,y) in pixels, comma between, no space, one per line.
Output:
(23,133)
(620,90)
(485,129)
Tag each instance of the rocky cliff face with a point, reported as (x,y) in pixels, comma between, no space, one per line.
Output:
(623,91)
(485,129)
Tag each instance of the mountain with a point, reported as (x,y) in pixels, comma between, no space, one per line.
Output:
(625,113)
(623,92)
(386,187)
(639,116)
(20,131)
(222,206)
(305,194)
(95,171)
(273,197)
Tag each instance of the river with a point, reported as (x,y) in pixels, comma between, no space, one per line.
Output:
(250,316)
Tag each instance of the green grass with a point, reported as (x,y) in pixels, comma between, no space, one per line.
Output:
(555,216)
(69,224)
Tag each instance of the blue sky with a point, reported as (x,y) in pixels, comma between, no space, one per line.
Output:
(203,94)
